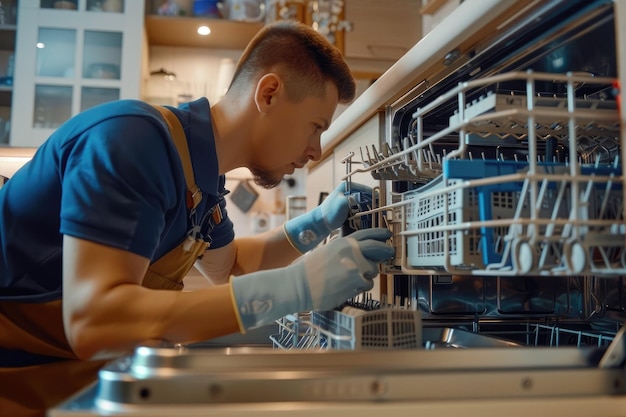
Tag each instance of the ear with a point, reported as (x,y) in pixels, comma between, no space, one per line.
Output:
(267,89)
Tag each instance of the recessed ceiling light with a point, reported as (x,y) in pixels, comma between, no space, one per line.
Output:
(204,30)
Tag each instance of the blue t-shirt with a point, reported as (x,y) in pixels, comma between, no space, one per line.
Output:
(110,175)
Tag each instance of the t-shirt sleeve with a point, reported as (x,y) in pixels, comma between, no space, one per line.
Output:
(117,184)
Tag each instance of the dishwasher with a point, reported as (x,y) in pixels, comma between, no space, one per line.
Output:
(500,175)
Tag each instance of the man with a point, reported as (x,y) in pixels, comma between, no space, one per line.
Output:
(124,198)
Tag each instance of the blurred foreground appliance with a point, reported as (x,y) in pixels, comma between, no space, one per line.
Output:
(501,177)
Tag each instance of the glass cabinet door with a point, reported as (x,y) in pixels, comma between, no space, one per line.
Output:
(53,105)
(102,55)
(102,60)
(56,58)
(73,55)
(92,96)
(56,53)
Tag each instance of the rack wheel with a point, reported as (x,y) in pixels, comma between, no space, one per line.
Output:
(523,256)
(575,256)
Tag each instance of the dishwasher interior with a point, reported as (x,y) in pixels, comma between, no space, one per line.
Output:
(500,175)
(501,178)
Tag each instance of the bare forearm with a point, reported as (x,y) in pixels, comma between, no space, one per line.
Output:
(106,310)
(129,315)
(264,251)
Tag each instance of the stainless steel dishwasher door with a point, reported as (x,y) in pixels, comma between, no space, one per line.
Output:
(231,381)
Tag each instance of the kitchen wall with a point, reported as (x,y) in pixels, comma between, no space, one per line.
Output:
(199,72)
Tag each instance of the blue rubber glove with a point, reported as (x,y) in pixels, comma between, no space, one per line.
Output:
(309,229)
(321,280)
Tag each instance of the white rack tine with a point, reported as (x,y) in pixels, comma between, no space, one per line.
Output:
(376,153)
(362,157)
(388,150)
(369,157)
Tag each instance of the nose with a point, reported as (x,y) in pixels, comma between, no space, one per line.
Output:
(314,152)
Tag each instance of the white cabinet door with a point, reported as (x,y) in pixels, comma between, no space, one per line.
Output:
(70,56)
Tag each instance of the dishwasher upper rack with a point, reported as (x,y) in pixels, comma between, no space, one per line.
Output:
(479,112)
(513,217)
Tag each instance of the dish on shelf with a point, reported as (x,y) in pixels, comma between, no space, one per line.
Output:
(64,4)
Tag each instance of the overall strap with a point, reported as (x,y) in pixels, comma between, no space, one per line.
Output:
(194,196)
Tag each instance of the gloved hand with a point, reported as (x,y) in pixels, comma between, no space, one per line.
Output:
(307,230)
(321,280)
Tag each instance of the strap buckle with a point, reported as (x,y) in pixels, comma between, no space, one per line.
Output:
(194,196)
(217,214)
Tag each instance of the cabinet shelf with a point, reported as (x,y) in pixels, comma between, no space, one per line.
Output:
(7,37)
(181,31)
(5,95)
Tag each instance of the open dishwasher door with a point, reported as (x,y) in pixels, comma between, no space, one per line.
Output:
(489,380)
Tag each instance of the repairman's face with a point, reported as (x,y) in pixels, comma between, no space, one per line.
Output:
(289,135)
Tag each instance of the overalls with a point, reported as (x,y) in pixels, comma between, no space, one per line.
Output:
(30,390)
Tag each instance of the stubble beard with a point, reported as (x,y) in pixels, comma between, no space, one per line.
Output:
(265,178)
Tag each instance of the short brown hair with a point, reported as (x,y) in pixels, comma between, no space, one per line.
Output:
(301,56)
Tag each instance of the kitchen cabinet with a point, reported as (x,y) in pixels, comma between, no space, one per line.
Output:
(179,28)
(8,14)
(70,56)
(182,31)
(381,32)
(434,11)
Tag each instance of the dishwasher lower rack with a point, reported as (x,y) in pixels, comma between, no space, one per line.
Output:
(496,218)
(386,328)
(399,328)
